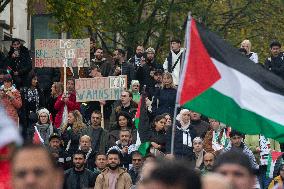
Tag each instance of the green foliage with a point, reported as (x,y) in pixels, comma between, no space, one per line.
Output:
(72,15)
(127,23)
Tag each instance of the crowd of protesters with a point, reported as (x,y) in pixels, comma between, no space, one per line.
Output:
(106,156)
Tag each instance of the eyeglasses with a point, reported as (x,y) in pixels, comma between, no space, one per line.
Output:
(43,116)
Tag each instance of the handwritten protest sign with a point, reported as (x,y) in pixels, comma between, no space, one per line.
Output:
(100,88)
(57,52)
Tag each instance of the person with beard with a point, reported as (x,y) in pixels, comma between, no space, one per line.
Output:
(113,176)
(19,62)
(137,162)
(208,161)
(135,60)
(124,146)
(200,126)
(148,66)
(101,62)
(173,62)
(199,152)
(63,158)
(151,60)
(79,176)
(121,67)
(86,147)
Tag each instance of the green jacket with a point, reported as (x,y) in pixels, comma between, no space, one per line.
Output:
(102,141)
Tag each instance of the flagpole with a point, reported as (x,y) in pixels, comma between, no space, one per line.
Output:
(182,72)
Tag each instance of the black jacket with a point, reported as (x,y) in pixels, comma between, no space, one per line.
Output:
(70,135)
(90,163)
(128,69)
(159,137)
(164,101)
(106,67)
(276,64)
(21,64)
(77,180)
(181,150)
(200,127)
(3,63)
(47,76)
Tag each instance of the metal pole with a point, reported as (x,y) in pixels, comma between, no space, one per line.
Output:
(182,73)
(174,129)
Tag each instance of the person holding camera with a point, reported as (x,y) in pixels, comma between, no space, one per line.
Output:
(10,98)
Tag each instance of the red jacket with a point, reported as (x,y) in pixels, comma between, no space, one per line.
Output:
(59,106)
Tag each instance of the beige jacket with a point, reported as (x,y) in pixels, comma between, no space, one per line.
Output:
(123,179)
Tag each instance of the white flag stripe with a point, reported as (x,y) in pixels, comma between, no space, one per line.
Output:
(248,94)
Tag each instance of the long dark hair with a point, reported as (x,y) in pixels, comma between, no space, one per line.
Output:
(156,119)
(127,116)
(32,75)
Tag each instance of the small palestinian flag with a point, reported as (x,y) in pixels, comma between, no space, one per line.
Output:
(142,126)
(272,159)
(37,139)
(221,83)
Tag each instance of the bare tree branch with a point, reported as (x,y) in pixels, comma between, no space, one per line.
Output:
(160,39)
(234,17)
(150,24)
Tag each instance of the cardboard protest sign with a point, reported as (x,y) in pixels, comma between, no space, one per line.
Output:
(57,52)
(100,88)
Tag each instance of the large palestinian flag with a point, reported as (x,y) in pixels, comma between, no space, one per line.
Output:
(219,82)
